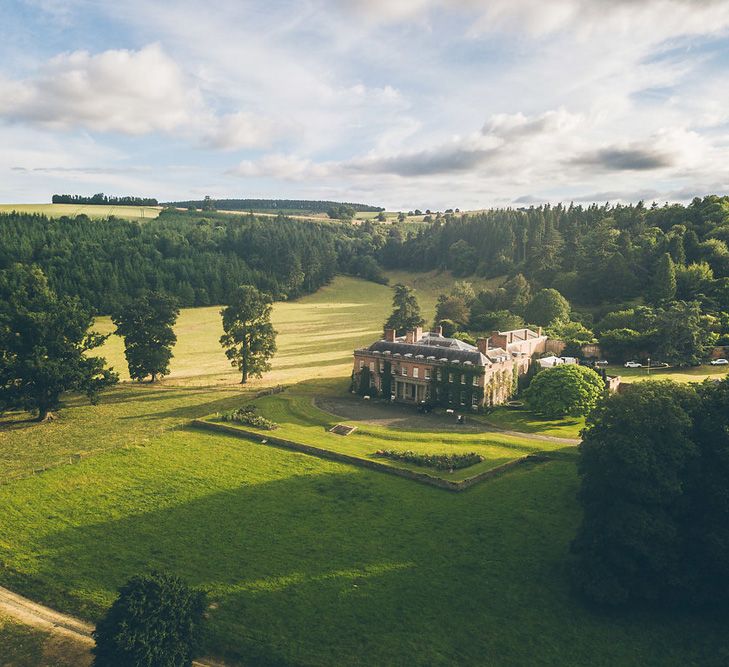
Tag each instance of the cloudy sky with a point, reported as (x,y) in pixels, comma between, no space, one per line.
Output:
(400,103)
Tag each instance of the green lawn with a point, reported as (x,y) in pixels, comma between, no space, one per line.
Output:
(688,374)
(302,422)
(524,420)
(318,563)
(91,210)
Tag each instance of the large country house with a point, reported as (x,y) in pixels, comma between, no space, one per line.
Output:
(430,368)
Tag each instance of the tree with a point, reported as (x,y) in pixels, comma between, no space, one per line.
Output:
(208,204)
(518,293)
(634,458)
(566,390)
(683,335)
(547,307)
(146,324)
(156,620)
(462,258)
(405,310)
(623,344)
(452,308)
(663,288)
(44,341)
(249,338)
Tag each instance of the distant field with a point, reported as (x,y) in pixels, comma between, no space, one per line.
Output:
(317,333)
(92,211)
(689,374)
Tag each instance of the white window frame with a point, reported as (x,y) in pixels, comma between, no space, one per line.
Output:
(416,372)
(404,371)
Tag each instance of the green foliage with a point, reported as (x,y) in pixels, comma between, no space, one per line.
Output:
(438,461)
(341,212)
(102,199)
(683,335)
(157,620)
(249,339)
(497,320)
(146,324)
(654,463)
(548,307)
(663,288)
(44,340)
(275,205)
(566,390)
(248,416)
(405,310)
(452,308)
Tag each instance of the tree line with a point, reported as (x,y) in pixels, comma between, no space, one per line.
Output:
(197,258)
(101,198)
(284,205)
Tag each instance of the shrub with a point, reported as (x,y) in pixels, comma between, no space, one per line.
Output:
(247,415)
(156,620)
(438,461)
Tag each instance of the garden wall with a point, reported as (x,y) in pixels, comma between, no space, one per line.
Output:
(421,477)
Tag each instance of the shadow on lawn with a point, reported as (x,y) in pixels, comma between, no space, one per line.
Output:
(324,568)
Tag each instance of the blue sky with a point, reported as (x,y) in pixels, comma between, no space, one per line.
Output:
(401,103)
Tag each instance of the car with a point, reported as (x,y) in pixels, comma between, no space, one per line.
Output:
(633,364)
(600,362)
(719,362)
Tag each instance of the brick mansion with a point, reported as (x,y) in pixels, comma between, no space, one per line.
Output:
(428,367)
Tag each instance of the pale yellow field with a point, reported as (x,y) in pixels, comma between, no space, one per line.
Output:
(92,211)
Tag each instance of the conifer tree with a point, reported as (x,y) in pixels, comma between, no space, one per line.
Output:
(663,288)
(405,310)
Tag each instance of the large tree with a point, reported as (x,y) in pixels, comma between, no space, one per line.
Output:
(405,310)
(683,335)
(663,286)
(567,390)
(146,324)
(547,307)
(44,344)
(157,620)
(249,339)
(634,460)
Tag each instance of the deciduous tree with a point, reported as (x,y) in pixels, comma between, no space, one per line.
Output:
(567,390)
(44,344)
(249,339)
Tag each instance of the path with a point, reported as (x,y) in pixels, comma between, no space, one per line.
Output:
(44,618)
(403,417)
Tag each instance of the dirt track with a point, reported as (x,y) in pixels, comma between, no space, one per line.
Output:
(35,615)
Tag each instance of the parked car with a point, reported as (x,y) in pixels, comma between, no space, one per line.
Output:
(633,364)
(719,362)
(600,362)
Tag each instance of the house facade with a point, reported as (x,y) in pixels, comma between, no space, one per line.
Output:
(428,367)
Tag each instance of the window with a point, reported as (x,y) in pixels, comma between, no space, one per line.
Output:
(361,364)
(475,380)
(439,375)
(450,377)
(392,370)
(372,366)
(404,371)
(474,399)
(427,373)
(463,379)
(416,372)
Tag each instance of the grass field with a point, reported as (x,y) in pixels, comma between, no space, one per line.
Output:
(92,211)
(386,427)
(308,561)
(524,420)
(690,374)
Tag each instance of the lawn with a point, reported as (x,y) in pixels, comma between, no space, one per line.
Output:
(23,646)
(91,210)
(300,421)
(312,562)
(687,374)
(524,420)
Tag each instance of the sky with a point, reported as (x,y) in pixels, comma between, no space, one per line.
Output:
(398,103)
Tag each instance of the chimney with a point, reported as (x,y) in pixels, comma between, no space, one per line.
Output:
(483,345)
(410,336)
(539,331)
(390,335)
(438,331)
(418,334)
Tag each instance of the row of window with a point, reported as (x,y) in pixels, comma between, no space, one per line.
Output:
(416,373)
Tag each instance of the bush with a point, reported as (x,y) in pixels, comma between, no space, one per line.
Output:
(247,415)
(567,390)
(156,620)
(438,461)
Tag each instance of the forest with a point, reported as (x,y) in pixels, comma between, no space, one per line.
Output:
(198,258)
(102,199)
